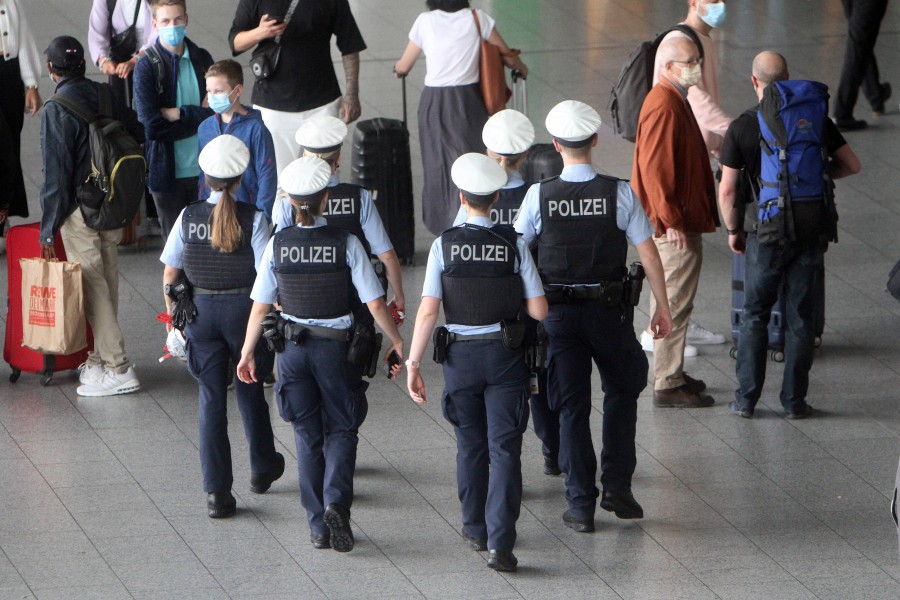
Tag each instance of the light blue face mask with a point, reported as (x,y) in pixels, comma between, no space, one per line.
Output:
(220,102)
(172,35)
(715,14)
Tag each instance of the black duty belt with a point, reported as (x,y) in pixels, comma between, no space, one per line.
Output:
(461,337)
(610,293)
(207,292)
(295,332)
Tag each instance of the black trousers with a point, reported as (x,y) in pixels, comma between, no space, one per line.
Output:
(12,106)
(860,67)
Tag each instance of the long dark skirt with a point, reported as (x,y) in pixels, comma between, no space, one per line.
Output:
(450,124)
(12,106)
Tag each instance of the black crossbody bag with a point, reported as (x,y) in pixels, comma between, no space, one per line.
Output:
(122,46)
(265,59)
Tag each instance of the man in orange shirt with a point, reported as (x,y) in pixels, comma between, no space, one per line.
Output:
(672,178)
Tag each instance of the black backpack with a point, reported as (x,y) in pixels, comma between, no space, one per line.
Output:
(111,194)
(636,79)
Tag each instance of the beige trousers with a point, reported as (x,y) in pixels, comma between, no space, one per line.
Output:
(98,254)
(682,270)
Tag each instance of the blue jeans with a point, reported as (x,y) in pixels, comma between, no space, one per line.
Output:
(766,265)
(214,347)
(323,396)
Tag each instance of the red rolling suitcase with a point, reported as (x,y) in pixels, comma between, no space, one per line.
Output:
(22,241)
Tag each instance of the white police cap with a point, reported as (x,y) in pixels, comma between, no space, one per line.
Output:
(508,132)
(572,121)
(305,176)
(477,174)
(224,157)
(321,134)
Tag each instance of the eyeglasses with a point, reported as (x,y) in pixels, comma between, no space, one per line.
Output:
(691,62)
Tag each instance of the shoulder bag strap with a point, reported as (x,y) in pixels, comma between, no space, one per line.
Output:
(287,17)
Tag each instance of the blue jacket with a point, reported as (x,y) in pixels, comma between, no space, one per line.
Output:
(261,177)
(65,149)
(148,100)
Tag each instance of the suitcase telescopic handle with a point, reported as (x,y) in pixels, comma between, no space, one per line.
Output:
(403,87)
(516,79)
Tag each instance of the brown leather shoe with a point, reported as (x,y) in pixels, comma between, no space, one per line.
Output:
(681,397)
(695,386)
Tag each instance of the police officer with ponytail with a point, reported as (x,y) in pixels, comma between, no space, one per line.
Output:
(212,254)
(581,223)
(316,272)
(482,273)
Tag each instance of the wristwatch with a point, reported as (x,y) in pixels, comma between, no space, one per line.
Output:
(733,231)
(412,363)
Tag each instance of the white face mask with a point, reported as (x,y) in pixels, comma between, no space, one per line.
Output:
(690,75)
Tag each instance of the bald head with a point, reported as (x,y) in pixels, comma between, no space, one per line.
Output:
(769,67)
(679,48)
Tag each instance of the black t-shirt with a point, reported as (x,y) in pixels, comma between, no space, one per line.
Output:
(741,151)
(305,76)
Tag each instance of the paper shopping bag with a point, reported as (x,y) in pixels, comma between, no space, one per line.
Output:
(52,306)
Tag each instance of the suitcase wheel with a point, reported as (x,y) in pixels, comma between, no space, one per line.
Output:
(778,356)
(46,379)
(14,376)
(733,352)
(817,342)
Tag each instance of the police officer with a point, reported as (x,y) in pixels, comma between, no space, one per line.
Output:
(508,135)
(481,272)
(216,246)
(350,207)
(315,270)
(581,223)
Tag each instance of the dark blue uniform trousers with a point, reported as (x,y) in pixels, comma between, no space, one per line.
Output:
(323,396)
(214,346)
(579,333)
(544,420)
(767,265)
(485,399)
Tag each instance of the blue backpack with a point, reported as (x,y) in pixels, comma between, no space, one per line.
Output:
(793,161)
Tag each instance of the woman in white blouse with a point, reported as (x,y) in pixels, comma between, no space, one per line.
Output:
(20,71)
(451,110)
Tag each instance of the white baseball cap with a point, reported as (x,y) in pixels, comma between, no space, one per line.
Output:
(224,157)
(305,176)
(508,132)
(477,174)
(571,122)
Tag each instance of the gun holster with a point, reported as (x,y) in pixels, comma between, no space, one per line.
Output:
(365,347)
(273,331)
(536,353)
(440,339)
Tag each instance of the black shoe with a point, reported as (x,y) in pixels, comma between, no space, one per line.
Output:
(320,542)
(551,467)
(800,413)
(579,525)
(477,544)
(735,409)
(885,96)
(622,503)
(694,386)
(269,381)
(850,124)
(261,482)
(338,520)
(220,505)
(503,560)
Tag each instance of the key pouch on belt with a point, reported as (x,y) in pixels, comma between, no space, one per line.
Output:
(512,334)
(440,340)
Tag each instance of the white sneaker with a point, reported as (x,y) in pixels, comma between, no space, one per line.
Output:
(89,373)
(111,384)
(699,335)
(647,345)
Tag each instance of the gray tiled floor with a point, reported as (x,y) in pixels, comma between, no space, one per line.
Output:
(101,498)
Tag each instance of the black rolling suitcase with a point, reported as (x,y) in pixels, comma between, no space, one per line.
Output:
(543,160)
(777,322)
(380,162)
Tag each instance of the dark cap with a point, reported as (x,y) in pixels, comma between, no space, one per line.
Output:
(65,52)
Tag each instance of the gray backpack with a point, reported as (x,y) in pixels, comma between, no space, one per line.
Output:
(636,79)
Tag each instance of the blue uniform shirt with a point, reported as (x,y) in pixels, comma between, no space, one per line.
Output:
(173,252)
(630,215)
(525,267)
(373,228)
(265,289)
(515,180)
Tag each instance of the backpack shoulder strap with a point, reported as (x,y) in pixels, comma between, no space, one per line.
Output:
(104,100)
(75,107)
(152,54)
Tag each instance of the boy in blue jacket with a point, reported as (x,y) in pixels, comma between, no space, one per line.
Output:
(169,87)
(224,86)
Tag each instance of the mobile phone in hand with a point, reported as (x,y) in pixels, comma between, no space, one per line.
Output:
(393,359)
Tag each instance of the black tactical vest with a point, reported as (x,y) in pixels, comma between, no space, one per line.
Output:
(505,210)
(580,242)
(207,267)
(480,283)
(344,210)
(312,272)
